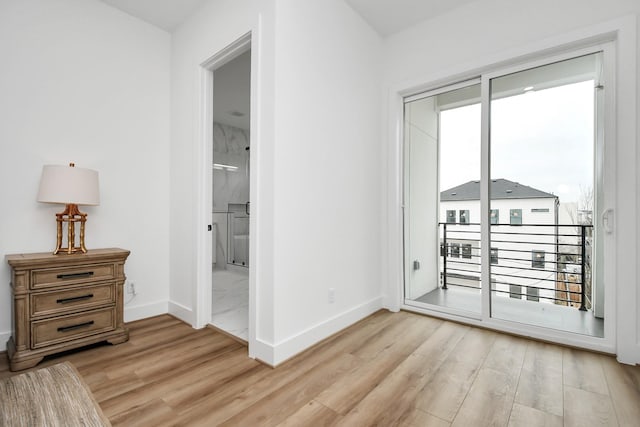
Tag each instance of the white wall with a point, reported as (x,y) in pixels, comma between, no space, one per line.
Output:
(326,171)
(421,197)
(83,82)
(210,30)
(485,32)
(316,197)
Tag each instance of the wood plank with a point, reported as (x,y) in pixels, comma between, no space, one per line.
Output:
(491,396)
(390,399)
(152,413)
(585,408)
(526,416)
(489,400)
(312,414)
(347,391)
(443,395)
(418,418)
(164,385)
(583,370)
(170,374)
(235,398)
(540,385)
(624,388)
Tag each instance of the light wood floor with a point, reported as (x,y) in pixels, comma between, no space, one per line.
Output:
(390,369)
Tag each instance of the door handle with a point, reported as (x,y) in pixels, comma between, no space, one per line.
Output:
(246,208)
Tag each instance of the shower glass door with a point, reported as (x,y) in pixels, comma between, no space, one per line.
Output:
(238,234)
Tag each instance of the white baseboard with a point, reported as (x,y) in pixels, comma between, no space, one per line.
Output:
(286,349)
(629,359)
(143,311)
(181,312)
(262,351)
(4,337)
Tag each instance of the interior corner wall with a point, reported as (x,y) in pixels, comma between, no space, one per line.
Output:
(83,82)
(327,193)
(479,31)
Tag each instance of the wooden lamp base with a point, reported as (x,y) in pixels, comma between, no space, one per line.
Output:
(70,215)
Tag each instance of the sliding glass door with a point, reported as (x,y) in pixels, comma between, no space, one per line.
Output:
(442,153)
(525,244)
(543,193)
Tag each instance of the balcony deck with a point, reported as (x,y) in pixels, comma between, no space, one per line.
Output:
(533,313)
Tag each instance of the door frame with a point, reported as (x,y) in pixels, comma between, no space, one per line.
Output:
(622,128)
(202,299)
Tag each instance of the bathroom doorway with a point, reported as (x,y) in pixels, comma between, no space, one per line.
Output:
(231,209)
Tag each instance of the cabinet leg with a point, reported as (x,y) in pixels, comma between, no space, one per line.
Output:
(19,365)
(119,339)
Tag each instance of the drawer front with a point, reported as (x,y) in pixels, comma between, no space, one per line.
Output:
(46,278)
(72,300)
(61,329)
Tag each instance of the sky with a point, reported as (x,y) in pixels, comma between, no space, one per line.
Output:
(543,139)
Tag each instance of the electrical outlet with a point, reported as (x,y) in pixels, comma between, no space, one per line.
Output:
(332,295)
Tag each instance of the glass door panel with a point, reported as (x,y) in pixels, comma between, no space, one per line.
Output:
(542,196)
(442,200)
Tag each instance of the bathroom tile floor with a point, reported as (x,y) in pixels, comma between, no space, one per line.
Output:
(230,309)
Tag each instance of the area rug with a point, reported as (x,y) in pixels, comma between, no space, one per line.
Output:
(53,396)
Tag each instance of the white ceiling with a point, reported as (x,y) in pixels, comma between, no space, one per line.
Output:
(232,80)
(390,16)
(385,16)
(166,14)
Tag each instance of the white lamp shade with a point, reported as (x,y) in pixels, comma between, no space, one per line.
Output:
(68,185)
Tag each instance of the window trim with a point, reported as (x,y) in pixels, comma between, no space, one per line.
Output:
(494,255)
(497,216)
(466,250)
(454,216)
(455,250)
(535,262)
(512,216)
(466,214)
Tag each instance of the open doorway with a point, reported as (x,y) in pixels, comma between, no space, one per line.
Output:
(231,189)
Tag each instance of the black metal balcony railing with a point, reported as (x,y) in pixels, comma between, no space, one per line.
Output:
(551,262)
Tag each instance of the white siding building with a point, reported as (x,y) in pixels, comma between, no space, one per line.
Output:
(524,236)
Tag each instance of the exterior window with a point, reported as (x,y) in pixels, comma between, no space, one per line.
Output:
(533,294)
(540,210)
(464,217)
(494,255)
(537,259)
(516,216)
(466,251)
(515,291)
(495,216)
(455,250)
(451,217)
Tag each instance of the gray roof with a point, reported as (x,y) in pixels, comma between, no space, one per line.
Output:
(500,189)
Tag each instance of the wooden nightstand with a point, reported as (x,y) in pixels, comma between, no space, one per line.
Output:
(61,302)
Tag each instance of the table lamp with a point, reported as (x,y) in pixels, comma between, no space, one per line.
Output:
(70,186)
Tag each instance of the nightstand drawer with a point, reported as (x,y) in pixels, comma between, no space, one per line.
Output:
(49,277)
(60,302)
(73,327)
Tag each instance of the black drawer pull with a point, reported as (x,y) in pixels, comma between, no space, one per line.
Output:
(74,299)
(75,275)
(74,327)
